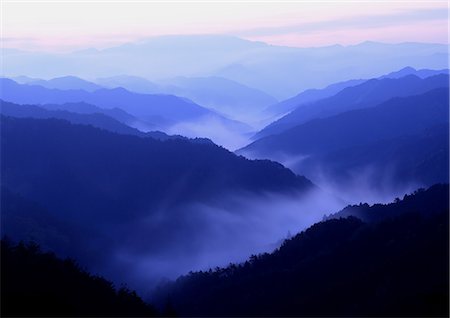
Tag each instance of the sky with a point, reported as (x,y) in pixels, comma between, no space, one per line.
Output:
(65,25)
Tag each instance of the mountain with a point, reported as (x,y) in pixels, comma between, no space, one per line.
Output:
(367,94)
(145,106)
(419,159)
(223,95)
(87,115)
(423,73)
(212,169)
(428,202)
(279,71)
(66,82)
(132,83)
(167,113)
(85,108)
(24,79)
(339,267)
(372,138)
(139,127)
(101,192)
(95,119)
(36,283)
(309,96)
(312,95)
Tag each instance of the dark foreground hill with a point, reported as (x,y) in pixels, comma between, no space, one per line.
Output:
(38,284)
(340,267)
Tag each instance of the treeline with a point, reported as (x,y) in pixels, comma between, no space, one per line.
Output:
(36,283)
(397,266)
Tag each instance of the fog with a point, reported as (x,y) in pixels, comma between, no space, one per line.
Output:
(367,183)
(168,243)
(171,242)
(231,135)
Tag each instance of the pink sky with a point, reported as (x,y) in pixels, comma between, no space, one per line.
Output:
(66,25)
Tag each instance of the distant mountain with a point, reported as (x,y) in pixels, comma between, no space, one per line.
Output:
(423,73)
(312,95)
(147,107)
(139,127)
(116,113)
(339,267)
(279,71)
(66,82)
(24,79)
(86,115)
(167,113)
(309,96)
(224,95)
(367,94)
(85,108)
(369,138)
(35,283)
(132,83)
(98,120)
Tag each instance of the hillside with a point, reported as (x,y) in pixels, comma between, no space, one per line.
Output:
(35,283)
(142,173)
(348,143)
(84,114)
(339,267)
(368,94)
(161,109)
(312,95)
(94,193)
(309,96)
(65,83)
(223,95)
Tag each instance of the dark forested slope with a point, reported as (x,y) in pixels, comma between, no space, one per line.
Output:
(339,267)
(85,171)
(38,284)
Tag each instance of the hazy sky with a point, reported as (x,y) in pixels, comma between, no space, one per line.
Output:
(60,25)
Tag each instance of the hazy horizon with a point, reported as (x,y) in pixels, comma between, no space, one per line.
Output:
(294,24)
(162,36)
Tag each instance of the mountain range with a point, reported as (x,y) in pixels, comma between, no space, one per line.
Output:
(62,83)
(279,71)
(312,95)
(90,192)
(367,94)
(396,265)
(86,114)
(167,113)
(404,139)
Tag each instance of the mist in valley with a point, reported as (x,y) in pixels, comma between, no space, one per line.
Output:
(162,244)
(146,156)
(198,236)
